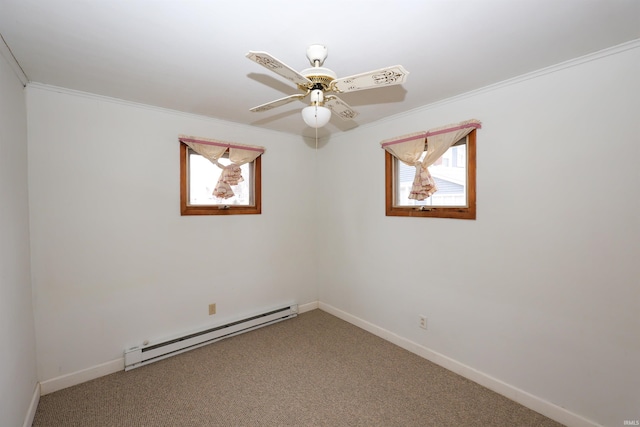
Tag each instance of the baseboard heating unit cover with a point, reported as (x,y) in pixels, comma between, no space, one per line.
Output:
(143,355)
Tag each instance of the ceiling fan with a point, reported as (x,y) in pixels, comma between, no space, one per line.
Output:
(319,82)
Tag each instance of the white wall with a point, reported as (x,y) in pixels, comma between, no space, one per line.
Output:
(114,263)
(18,380)
(541,291)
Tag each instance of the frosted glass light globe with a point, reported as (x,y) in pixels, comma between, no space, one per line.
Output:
(316,116)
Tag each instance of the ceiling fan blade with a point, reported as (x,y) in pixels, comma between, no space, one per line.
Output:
(278,67)
(340,108)
(278,102)
(383,77)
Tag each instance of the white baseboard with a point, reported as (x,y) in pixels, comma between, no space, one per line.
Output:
(535,403)
(307,307)
(31,412)
(75,378)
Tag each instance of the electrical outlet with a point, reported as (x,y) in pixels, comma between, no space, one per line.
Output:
(212,309)
(422,321)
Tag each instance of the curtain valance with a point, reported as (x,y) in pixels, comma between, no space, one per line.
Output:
(409,148)
(213,149)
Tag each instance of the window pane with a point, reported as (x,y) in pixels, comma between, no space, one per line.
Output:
(203,176)
(450,174)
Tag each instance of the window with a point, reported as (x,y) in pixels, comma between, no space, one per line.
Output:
(199,176)
(454,174)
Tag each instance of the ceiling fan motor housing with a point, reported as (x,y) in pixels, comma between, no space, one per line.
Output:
(319,76)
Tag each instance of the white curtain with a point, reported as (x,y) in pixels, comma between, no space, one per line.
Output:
(212,149)
(409,148)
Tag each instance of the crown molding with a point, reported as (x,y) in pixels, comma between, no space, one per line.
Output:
(142,106)
(614,50)
(5,51)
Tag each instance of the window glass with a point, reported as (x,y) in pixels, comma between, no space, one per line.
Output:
(203,176)
(449,173)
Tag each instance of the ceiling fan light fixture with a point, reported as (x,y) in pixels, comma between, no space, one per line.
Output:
(317,80)
(316,116)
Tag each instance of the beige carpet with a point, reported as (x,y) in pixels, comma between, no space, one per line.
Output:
(314,370)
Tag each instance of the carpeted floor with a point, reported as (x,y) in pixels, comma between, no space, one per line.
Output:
(313,370)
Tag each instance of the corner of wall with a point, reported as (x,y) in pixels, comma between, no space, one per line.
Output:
(31,412)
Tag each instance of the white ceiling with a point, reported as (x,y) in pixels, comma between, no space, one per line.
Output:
(189,55)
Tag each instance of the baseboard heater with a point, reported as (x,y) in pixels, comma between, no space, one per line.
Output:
(143,355)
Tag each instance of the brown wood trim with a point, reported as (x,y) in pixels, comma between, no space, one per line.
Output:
(468,212)
(185,209)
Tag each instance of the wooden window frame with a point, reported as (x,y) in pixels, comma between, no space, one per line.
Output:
(186,209)
(456,212)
